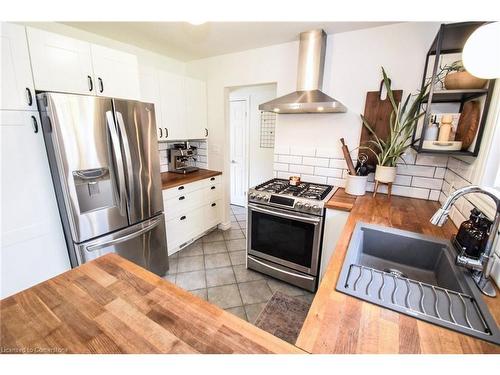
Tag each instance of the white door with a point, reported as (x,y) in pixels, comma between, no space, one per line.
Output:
(238,151)
(116,73)
(33,247)
(150,92)
(196,108)
(173,106)
(18,92)
(60,63)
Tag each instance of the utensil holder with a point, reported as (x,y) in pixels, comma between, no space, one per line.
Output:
(356,185)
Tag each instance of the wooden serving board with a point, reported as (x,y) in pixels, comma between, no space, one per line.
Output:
(468,123)
(377,113)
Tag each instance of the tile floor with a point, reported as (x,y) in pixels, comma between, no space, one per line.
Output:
(214,269)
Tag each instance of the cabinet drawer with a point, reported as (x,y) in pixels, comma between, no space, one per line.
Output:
(213,192)
(183,189)
(213,214)
(184,203)
(184,227)
(214,180)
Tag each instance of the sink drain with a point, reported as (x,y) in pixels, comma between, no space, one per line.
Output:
(396,273)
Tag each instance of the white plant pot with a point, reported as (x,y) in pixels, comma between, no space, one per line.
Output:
(356,185)
(385,174)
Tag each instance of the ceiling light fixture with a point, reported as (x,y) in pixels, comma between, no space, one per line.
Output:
(481,53)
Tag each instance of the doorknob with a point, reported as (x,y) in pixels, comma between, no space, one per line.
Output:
(233,161)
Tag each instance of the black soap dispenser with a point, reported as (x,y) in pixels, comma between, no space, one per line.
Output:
(473,234)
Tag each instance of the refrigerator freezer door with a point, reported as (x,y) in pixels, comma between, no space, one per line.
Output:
(85,158)
(137,127)
(144,244)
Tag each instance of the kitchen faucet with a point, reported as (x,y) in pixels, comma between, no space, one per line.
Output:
(480,268)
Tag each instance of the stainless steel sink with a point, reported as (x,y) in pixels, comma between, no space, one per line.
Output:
(415,275)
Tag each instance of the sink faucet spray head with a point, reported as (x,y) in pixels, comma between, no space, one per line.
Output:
(440,217)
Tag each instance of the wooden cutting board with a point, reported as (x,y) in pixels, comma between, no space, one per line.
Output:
(377,113)
(468,123)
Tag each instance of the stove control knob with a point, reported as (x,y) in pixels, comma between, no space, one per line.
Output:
(316,209)
(307,206)
(252,196)
(260,197)
(299,205)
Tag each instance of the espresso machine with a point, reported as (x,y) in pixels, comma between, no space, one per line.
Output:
(181,158)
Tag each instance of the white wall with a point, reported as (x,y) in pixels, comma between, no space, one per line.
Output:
(260,160)
(352,67)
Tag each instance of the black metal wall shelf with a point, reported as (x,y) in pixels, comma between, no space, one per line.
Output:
(450,39)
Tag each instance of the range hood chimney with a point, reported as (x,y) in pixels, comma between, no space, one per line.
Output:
(308,98)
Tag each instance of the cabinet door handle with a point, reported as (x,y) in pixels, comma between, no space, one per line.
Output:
(214,204)
(29,97)
(183,217)
(161,133)
(101,85)
(89,81)
(212,179)
(182,198)
(180,188)
(35,124)
(212,188)
(206,132)
(166,133)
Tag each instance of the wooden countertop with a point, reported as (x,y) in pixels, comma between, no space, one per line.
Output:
(170,179)
(111,305)
(341,201)
(338,323)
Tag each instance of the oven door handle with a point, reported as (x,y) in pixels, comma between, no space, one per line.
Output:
(280,270)
(312,220)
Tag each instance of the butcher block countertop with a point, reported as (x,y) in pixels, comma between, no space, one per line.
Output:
(338,323)
(111,305)
(170,179)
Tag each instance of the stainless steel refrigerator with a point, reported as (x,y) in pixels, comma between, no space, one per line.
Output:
(103,156)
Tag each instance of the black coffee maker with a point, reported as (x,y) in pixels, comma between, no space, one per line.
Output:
(473,234)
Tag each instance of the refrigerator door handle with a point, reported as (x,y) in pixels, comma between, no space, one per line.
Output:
(115,141)
(152,223)
(128,158)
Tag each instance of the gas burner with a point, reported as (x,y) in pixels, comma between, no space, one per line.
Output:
(306,190)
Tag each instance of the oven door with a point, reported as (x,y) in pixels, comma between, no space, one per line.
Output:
(288,238)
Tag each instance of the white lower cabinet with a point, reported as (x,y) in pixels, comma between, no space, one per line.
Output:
(32,247)
(334,225)
(191,210)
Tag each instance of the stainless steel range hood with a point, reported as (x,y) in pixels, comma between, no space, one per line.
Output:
(308,98)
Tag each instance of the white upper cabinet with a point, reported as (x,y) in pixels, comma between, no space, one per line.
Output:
(60,63)
(196,108)
(18,92)
(173,106)
(116,73)
(149,82)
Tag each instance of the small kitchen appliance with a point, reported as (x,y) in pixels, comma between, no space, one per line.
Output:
(181,157)
(285,230)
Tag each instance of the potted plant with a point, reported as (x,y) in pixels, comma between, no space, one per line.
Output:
(454,77)
(402,123)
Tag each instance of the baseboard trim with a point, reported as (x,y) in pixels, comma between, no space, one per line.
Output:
(225,226)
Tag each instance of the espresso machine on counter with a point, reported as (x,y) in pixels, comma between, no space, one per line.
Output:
(181,158)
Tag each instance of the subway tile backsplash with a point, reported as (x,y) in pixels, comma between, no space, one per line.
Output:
(421,177)
(201,161)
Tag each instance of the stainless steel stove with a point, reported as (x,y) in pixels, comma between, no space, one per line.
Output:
(285,230)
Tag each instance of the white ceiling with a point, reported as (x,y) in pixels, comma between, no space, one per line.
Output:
(184,41)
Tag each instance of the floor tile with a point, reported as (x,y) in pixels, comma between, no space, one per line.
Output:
(190,264)
(239,210)
(191,280)
(238,311)
(234,226)
(286,288)
(254,292)
(170,278)
(308,297)
(232,218)
(194,249)
(238,257)
(225,296)
(215,235)
(235,245)
(172,265)
(233,234)
(254,310)
(241,217)
(217,260)
(243,225)
(220,276)
(202,293)
(214,247)
(244,275)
